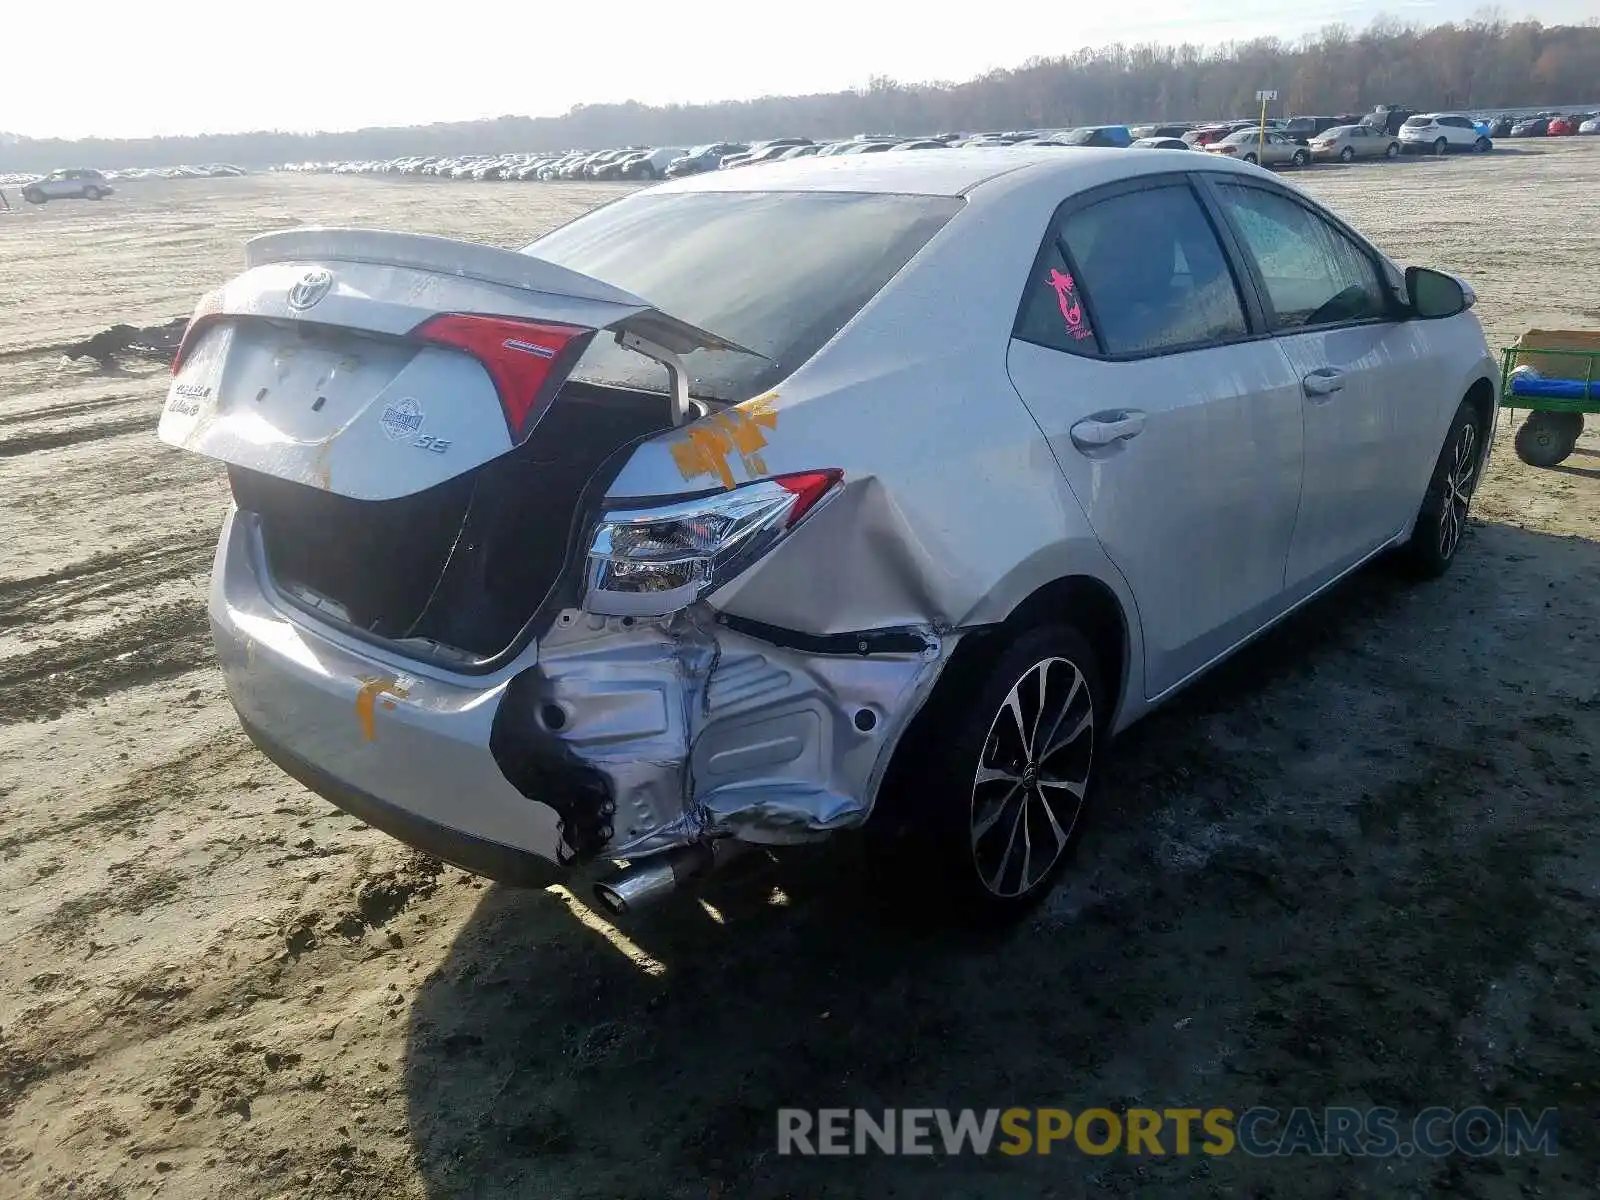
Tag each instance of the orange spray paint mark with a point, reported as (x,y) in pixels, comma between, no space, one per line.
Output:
(708,445)
(373,686)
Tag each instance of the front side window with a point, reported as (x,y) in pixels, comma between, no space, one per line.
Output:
(1137,273)
(1313,273)
(778,272)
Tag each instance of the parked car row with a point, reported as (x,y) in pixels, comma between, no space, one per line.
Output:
(1547,124)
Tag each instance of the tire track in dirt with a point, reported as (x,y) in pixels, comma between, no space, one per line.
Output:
(138,797)
(76,408)
(55,439)
(158,644)
(43,599)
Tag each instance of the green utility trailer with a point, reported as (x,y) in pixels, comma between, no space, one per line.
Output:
(1555,376)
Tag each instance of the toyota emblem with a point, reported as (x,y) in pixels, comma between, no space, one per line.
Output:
(311,288)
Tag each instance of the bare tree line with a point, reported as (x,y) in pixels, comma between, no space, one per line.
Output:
(1480,64)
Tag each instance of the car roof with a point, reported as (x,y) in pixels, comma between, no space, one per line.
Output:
(951,172)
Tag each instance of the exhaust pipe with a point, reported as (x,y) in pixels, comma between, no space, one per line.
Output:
(661,875)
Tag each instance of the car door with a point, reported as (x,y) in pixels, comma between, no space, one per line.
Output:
(1178,431)
(1335,321)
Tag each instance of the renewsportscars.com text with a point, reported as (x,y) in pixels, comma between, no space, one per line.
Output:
(1260,1132)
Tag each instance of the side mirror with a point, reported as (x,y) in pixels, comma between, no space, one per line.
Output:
(1433,294)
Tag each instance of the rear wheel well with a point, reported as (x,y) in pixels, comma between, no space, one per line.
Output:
(1081,601)
(1481,396)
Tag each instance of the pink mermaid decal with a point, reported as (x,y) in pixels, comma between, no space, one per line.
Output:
(1071,308)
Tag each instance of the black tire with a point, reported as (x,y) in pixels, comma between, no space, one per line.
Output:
(1250,158)
(1547,438)
(1348,154)
(1442,519)
(1482,145)
(33,197)
(1302,158)
(989,722)
(1393,151)
(91,192)
(1441,147)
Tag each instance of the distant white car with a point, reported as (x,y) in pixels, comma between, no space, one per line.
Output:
(651,164)
(72,184)
(1441,133)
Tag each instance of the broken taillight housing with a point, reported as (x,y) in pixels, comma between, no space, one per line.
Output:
(654,561)
(526,360)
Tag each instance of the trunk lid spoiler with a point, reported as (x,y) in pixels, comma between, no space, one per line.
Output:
(582,296)
(376,364)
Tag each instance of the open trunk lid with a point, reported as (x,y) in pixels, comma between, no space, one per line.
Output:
(375,365)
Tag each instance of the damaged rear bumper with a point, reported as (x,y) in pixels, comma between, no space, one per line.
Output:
(613,738)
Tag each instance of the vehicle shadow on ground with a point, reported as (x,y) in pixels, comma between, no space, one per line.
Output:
(1254,920)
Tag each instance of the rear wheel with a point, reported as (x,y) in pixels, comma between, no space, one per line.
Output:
(1482,145)
(1347,154)
(1250,158)
(91,192)
(1004,771)
(1393,151)
(1546,438)
(1441,146)
(1442,520)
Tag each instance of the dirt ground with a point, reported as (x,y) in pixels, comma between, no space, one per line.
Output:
(1358,865)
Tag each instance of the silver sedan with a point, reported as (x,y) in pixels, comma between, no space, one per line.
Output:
(1269,150)
(559,583)
(1349,142)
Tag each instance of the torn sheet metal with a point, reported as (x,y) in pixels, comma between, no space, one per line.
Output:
(700,730)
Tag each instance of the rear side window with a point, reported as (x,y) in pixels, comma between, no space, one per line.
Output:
(779,272)
(1313,273)
(1136,273)
(1418,122)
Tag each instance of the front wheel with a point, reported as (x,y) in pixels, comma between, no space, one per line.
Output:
(1302,158)
(1004,769)
(91,193)
(1250,158)
(1482,145)
(33,197)
(1393,151)
(1347,154)
(1441,147)
(1442,519)
(1547,438)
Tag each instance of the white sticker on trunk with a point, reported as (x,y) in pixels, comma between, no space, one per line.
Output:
(402,419)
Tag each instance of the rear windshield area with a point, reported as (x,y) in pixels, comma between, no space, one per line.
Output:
(778,272)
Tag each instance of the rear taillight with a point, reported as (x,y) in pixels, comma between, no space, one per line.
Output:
(651,562)
(526,360)
(206,312)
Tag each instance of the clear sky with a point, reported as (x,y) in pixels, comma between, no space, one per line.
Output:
(122,68)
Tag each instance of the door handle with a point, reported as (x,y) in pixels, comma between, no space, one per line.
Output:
(1323,382)
(1104,429)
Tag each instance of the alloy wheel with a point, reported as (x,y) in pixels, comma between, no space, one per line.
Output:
(1459,478)
(1033,773)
